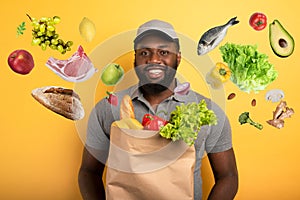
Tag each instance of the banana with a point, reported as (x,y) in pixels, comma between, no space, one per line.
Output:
(128,123)
(87,29)
(133,123)
(120,124)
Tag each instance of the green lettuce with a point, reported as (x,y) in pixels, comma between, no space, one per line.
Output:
(250,70)
(186,120)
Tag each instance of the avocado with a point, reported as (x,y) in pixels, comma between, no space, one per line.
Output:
(282,43)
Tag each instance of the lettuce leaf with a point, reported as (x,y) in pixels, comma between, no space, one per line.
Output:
(250,70)
(186,120)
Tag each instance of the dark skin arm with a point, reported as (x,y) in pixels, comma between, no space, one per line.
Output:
(225,172)
(90,177)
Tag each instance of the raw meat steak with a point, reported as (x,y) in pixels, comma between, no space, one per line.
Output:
(77,68)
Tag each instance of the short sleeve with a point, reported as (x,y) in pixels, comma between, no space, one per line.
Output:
(220,136)
(96,139)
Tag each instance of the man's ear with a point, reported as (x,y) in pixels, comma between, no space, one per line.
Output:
(178,57)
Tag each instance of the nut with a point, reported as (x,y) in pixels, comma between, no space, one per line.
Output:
(253,102)
(231,96)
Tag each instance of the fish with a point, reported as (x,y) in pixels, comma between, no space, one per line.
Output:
(212,38)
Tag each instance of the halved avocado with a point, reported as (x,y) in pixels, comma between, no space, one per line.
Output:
(282,43)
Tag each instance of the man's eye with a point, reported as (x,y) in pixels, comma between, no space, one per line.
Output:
(164,52)
(144,53)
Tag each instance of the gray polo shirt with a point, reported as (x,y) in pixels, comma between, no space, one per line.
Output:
(211,139)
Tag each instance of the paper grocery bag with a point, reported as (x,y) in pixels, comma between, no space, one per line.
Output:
(142,165)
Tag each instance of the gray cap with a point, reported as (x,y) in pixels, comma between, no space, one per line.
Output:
(156,25)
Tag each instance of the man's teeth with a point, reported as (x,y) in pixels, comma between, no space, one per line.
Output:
(155,71)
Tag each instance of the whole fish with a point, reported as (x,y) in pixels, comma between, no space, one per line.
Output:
(211,38)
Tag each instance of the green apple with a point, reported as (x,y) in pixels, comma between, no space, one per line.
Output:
(112,74)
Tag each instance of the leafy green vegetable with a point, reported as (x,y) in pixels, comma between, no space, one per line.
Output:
(186,120)
(21,28)
(250,70)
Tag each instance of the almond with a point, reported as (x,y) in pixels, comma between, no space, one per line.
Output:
(253,102)
(231,96)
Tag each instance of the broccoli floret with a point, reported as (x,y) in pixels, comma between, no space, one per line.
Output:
(245,118)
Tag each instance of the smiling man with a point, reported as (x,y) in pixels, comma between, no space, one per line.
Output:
(157,56)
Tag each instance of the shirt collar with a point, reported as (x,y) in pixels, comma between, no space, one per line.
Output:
(134,92)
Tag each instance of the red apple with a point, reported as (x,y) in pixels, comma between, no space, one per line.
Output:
(21,61)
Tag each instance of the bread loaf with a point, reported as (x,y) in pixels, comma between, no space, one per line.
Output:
(126,108)
(60,100)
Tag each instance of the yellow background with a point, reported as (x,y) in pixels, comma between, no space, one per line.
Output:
(41,151)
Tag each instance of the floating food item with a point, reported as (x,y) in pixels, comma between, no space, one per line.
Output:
(250,69)
(212,38)
(112,98)
(182,89)
(21,28)
(218,75)
(258,21)
(87,29)
(63,101)
(77,68)
(253,102)
(21,61)
(231,96)
(274,95)
(244,118)
(281,112)
(282,43)
(112,74)
(44,34)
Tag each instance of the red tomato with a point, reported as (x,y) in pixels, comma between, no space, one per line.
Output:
(258,21)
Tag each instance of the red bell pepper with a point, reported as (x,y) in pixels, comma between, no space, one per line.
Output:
(153,122)
(258,21)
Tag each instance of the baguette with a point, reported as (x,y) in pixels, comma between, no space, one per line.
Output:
(126,108)
(62,101)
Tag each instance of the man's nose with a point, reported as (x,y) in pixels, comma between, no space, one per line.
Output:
(155,58)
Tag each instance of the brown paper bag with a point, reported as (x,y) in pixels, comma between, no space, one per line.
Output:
(142,165)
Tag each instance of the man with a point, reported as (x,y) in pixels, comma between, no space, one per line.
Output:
(157,56)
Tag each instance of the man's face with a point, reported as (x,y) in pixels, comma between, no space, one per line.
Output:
(156,61)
